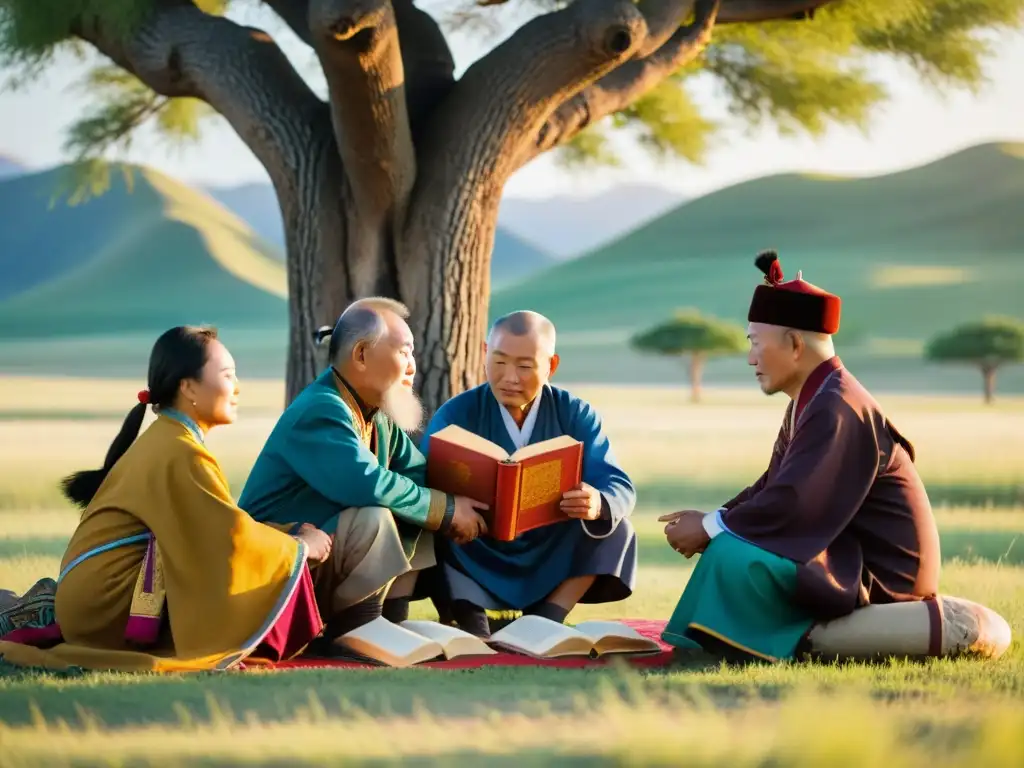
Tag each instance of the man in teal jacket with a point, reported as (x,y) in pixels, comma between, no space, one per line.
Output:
(340,464)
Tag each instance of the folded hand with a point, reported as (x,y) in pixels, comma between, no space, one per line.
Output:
(685,532)
(582,502)
(467,523)
(318,543)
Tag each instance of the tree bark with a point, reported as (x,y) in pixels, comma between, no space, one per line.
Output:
(988,378)
(697,360)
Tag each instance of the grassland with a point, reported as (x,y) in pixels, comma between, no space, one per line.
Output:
(697,713)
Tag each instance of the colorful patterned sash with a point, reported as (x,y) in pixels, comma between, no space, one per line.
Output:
(148,600)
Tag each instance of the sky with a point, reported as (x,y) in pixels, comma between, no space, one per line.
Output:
(914,127)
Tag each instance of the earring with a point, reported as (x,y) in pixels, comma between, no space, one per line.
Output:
(193,403)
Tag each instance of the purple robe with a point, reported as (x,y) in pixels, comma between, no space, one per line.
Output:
(842,498)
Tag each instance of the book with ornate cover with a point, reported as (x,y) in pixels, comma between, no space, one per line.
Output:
(522,491)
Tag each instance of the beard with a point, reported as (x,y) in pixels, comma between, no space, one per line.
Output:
(402,405)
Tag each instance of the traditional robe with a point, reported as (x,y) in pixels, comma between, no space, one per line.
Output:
(839,520)
(329,452)
(342,466)
(235,589)
(514,575)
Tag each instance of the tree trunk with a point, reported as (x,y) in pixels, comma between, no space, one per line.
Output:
(988,376)
(315,224)
(696,372)
(445,278)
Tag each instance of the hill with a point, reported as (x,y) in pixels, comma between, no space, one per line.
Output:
(513,258)
(128,264)
(10,167)
(911,253)
(569,225)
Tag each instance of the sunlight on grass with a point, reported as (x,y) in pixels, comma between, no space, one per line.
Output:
(938,713)
(633,731)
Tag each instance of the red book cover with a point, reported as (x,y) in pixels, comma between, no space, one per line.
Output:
(522,491)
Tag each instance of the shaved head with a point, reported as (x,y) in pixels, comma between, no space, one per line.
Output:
(525,323)
(520,357)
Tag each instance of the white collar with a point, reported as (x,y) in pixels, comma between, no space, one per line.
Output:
(521,435)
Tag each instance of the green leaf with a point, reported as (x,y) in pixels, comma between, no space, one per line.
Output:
(670,124)
(122,104)
(587,148)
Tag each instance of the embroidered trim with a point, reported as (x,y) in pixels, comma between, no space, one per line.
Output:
(139,537)
(282,602)
(181,418)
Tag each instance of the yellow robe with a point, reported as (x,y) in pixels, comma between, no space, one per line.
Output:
(227,578)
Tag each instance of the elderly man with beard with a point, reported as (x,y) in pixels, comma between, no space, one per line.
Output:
(339,461)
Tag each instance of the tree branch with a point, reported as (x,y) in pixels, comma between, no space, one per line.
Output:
(629,82)
(427,61)
(506,95)
(178,50)
(294,13)
(357,43)
(750,11)
(664,17)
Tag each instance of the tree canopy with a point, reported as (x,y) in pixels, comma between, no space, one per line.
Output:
(690,333)
(798,77)
(988,344)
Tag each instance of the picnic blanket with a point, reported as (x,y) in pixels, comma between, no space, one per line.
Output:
(647,628)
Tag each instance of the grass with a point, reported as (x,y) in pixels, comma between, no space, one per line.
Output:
(698,712)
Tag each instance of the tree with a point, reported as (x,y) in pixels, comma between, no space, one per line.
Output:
(391,186)
(688,333)
(988,344)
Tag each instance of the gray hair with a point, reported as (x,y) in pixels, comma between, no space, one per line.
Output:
(362,321)
(522,322)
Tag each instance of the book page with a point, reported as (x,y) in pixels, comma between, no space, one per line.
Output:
(545,446)
(456,435)
(454,641)
(543,638)
(391,644)
(615,637)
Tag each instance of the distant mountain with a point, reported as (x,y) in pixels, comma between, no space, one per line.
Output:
(911,253)
(130,262)
(567,226)
(10,167)
(256,204)
(513,259)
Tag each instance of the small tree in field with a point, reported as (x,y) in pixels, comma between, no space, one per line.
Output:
(988,344)
(688,333)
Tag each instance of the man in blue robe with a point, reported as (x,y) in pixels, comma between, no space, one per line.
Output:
(591,557)
(339,462)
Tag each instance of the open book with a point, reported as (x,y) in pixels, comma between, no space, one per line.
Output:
(522,491)
(546,639)
(411,642)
